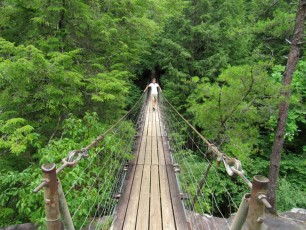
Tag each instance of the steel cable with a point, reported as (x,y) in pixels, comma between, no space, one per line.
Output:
(190,171)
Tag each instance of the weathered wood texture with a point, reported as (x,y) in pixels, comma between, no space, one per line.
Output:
(151,198)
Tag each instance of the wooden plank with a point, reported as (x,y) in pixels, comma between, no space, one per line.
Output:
(167,212)
(151,118)
(142,151)
(178,209)
(143,121)
(160,149)
(136,147)
(154,151)
(154,140)
(124,199)
(145,131)
(149,112)
(150,123)
(155,206)
(154,115)
(168,159)
(161,155)
(151,198)
(148,152)
(161,124)
(127,186)
(158,129)
(131,214)
(144,200)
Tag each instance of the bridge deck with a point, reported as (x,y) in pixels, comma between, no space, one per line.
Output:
(151,198)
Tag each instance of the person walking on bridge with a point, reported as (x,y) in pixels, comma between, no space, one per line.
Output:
(154,92)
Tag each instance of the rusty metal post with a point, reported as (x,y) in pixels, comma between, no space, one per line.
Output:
(242,213)
(257,203)
(51,196)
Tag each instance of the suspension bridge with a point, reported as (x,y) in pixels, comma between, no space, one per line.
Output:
(151,199)
(150,170)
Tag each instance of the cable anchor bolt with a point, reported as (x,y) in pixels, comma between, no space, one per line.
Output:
(263,198)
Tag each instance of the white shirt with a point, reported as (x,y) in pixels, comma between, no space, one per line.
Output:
(154,87)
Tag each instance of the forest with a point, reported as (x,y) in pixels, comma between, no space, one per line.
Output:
(69,69)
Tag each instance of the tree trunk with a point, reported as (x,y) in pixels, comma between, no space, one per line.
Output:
(284,103)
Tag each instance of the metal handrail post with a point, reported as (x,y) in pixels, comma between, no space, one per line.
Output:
(257,202)
(64,210)
(242,213)
(51,196)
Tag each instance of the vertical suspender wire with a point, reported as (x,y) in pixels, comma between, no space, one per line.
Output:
(110,138)
(192,178)
(199,169)
(214,201)
(170,127)
(107,209)
(205,181)
(213,167)
(122,164)
(112,127)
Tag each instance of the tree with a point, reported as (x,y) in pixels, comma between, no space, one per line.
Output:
(277,147)
(60,62)
(233,111)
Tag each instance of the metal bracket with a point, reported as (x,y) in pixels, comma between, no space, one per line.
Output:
(184,196)
(126,167)
(117,196)
(263,198)
(176,167)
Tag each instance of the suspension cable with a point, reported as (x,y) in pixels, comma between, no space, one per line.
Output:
(169,118)
(232,165)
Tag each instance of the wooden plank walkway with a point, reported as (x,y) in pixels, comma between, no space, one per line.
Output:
(150,198)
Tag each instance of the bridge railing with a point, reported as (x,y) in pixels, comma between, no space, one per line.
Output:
(205,186)
(93,184)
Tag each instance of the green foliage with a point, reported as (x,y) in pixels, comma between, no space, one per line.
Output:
(67,72)
(237,112)
(232,110)
(289,195)
(17,187)
(16,135)
(17,193)
(104,224)
(37,88)
(6,216)
(222,66)
(58,65)
(296,114)
(218,187)
(271,23)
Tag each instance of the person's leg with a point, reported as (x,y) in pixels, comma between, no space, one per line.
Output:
(153,101)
